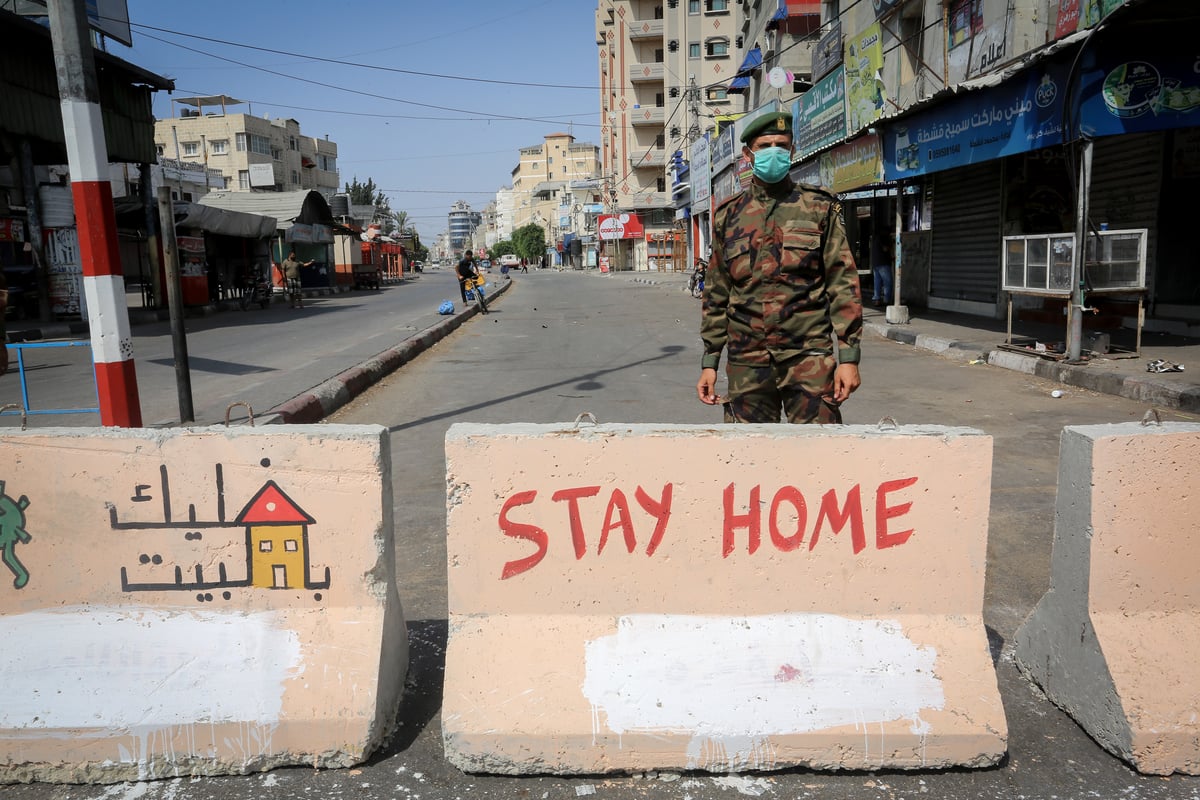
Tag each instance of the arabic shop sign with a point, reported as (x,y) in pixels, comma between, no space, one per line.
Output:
(819,116)
(1076,15)
(853,164)
(865,92)
(1022,115)
(701,173)
(722,150)
(1151,83)
(829,52)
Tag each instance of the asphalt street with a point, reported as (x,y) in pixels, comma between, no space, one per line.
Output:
(561,344)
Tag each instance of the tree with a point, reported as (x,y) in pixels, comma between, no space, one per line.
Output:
(529,242)
(501,249)
(368,194)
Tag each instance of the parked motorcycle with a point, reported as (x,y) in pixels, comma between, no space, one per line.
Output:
(258,290)
(696,281)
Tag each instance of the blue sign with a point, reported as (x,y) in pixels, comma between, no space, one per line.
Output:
(1023,114)
(1149,83)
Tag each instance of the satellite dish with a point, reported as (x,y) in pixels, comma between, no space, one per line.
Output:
(778,78)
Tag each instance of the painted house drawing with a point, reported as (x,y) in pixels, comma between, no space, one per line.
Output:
(276,540)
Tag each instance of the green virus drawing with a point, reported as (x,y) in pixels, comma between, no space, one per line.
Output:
(12,533)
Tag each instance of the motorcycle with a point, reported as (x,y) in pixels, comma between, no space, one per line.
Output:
(258,290)
(696,281)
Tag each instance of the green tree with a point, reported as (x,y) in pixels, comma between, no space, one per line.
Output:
(368,194)
(529,241)
(502,249)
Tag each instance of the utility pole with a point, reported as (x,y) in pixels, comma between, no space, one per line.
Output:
(87,155)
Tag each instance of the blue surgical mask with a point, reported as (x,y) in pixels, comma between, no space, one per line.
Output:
(771,164)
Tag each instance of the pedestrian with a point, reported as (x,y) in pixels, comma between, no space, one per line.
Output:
(291,276)
(524,265)
(781,291)
(468,277)
(881,271)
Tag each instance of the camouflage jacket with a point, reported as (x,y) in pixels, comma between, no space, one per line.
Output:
(781,280)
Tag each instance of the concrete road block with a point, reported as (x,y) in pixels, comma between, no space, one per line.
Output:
(749,597)
(1116,640)
(195,602)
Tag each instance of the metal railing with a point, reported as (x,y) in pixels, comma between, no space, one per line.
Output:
(21,347)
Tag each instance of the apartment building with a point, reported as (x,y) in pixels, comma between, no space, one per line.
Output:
(665,66)
(543,181)
(461,222)
(966,138)
(253,153)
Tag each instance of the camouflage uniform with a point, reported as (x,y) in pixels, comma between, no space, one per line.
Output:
(781,284)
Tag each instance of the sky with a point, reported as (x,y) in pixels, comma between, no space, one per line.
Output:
(431,100)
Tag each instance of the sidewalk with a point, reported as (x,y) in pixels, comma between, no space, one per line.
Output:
(969,338)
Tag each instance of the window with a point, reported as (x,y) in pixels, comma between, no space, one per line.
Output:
(243,179)
(264,546)
(187,197)
(328,163)
(661,185)
(239,142)
(718,6)
(658,56)
(693,6)
(290,545)
(158,148)
(717,48)
(191,148)
(718,94)
(260,144)
(277,153)
(550,161)
(966,20)
(295,177)
(693,49)
(219,147)
(292,144)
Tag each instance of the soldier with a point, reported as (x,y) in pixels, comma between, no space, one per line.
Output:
(781,288)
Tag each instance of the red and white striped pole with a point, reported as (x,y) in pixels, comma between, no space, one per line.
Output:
(87,155)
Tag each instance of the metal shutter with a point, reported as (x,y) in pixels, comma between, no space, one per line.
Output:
(965,257)
(1126,185)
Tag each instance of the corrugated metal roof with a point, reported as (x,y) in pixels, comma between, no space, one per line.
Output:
(306,206)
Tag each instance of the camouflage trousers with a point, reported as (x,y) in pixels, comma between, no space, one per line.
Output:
(802,387)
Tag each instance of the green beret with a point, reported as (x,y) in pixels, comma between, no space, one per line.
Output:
(779,122)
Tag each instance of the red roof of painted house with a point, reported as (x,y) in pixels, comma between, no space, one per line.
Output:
(272,507)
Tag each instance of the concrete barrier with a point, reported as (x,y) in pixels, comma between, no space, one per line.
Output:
(1116,640)
(749,597)
(195,602)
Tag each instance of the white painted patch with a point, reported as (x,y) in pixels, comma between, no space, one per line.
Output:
(87,153)
(734,680)
(105,296)
(130,669)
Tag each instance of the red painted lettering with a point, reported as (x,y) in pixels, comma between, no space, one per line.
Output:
(850,512)
(661,511)
(788,494)
(884,512)
(618,504)
(572,497)
(752,521)
(520,530)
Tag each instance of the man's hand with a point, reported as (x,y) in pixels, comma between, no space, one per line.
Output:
(845,381)
(706,387)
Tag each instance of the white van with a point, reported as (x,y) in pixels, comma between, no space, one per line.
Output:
(509,260)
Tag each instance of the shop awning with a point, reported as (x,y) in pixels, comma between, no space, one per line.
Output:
(752,62)
(223,222)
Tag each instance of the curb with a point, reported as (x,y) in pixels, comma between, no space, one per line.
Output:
(1183,397)
(327,397)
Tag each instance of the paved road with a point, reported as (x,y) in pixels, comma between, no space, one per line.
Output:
(559,344)
(262,357)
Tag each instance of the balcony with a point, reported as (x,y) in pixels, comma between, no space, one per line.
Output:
(646,29)
(647,73)
(648,158)
(646,199)
(648,115)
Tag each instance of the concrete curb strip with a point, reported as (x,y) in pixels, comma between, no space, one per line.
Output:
(325,398)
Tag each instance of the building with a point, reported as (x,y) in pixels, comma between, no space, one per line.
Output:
(252,153)
(462,222)
(665,66)
(542,184)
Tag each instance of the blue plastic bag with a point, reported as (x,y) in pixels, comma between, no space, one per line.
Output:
(447,307)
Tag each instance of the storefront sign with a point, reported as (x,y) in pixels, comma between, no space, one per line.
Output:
(620,226)
(828,53)
(1021,115)
(809,172)
(865,91)
(701,174)
(854,164)
(1151,83)
(819,116)
(1076,15)
(725,185)
(723,150)
(191,256)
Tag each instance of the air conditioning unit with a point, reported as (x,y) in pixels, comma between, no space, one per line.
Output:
(672,3)
(673,45)
(739,43)
(674,91)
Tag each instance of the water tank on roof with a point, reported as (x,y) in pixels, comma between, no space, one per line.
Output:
(339,205)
